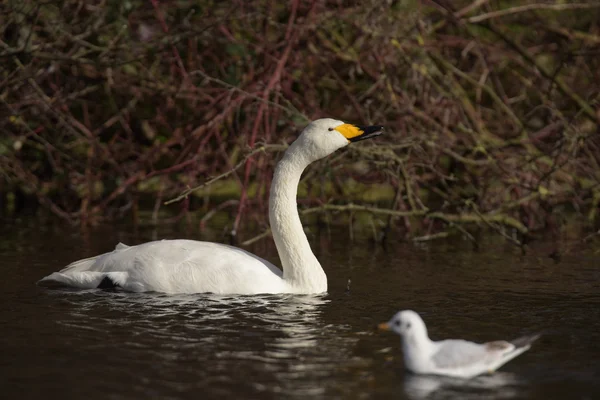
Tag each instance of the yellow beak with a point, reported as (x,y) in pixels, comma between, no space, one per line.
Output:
(355,133)
(384,326)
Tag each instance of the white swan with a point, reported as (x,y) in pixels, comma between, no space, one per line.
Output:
(188,266)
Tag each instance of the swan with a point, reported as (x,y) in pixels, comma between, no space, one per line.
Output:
(189,266)
(455,358)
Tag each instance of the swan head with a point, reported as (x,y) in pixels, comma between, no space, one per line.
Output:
(326,135)
(405,323)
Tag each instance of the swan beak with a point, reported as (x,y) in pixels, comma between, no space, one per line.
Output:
(356,133)
(368,132)
(384,326)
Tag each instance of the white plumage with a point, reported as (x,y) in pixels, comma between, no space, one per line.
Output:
(453,357)
(188,266)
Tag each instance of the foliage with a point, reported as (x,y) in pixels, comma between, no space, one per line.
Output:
(491,107)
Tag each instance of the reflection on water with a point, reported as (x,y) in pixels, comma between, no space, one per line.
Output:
(109,344)
(278,333)
(281,334)
(500,385)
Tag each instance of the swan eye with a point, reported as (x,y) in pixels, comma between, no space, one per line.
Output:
(330,129)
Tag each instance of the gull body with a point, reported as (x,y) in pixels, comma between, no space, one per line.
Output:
(453,357)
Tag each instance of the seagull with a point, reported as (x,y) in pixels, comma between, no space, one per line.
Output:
(453,357)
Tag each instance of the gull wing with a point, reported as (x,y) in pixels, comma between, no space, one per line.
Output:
(461,353)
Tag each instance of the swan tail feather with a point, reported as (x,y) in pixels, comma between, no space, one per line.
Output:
(86,280)
(82,280)
(80,265)
(121,246)
(86,263)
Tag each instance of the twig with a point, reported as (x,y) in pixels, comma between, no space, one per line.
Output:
(587,109)
(487,221)
(260,149)
(289,109)
(256,238)
(529,7)
(434,236)
(165,28)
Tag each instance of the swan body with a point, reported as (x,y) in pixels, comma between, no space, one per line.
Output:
(188,266)
(453,357)
(176,266)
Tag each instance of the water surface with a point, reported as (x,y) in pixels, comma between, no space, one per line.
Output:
(112,345)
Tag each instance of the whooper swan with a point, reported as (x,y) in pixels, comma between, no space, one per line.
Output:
(188,266)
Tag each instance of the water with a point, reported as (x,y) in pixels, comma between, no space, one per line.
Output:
(114,345)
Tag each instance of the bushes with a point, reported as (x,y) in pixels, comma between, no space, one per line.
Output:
(491,108)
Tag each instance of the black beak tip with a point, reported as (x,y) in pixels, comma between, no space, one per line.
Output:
(369,132)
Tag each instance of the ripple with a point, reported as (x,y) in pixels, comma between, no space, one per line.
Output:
(110,344)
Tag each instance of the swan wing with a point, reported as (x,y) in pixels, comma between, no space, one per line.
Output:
(174,266)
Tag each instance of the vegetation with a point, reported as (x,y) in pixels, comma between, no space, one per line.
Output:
(492,110)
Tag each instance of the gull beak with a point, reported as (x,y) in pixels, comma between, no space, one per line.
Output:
(368,132)
(384,326)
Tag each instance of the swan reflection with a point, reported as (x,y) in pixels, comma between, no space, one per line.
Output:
(276,342)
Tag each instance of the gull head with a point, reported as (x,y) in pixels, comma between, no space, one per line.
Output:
(405,323)
(326,135)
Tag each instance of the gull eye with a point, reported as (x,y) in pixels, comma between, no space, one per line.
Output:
(330,129)
(397,323)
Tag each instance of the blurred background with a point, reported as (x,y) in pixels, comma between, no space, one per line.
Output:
(115,109)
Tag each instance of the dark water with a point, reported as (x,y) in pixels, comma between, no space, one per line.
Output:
(113,345)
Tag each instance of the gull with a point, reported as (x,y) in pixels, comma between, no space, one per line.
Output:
(453,357)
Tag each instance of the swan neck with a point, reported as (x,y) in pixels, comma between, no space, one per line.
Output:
(301,269)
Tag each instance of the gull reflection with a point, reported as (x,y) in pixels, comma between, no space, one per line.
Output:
(500,385)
